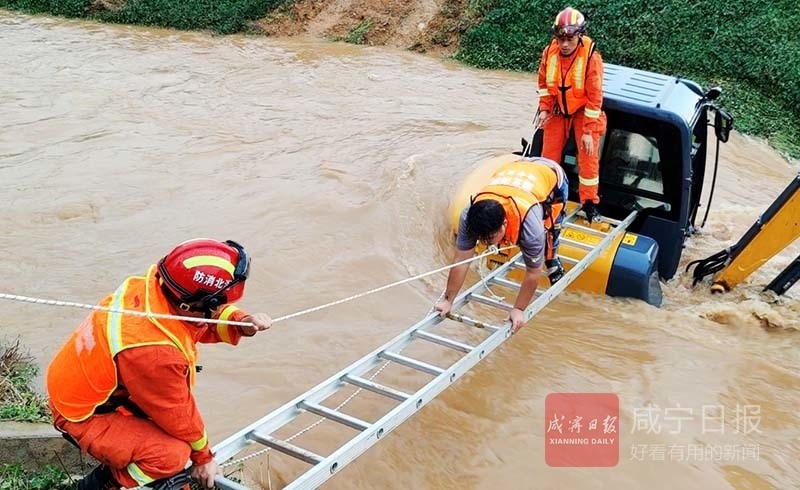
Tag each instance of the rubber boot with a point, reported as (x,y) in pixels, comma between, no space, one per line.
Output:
(99,479)
(554,270)
(591,211)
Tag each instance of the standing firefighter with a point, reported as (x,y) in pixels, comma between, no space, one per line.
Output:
(570,97)
(121,387)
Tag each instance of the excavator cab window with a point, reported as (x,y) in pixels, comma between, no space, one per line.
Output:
(631,174)
(640,167)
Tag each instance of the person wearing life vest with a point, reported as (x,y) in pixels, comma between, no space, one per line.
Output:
(571,97)
(121,386)
(522,204)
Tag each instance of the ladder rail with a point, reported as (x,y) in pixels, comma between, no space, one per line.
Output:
(578,269)
(223,482)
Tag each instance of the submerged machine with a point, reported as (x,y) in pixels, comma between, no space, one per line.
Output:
(773,231)
(652,160)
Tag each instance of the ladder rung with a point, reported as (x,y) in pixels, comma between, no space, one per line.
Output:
(376,388)
(286,448)
(585,229)
(437,339)
(614,222)
(471,321)
(491,302)
(568,260)
(576,244)
(521,265)
(505,282)
(334,415)
(412,363)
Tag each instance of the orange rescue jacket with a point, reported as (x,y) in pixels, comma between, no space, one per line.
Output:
(519,186)
(578,85)
(83,374)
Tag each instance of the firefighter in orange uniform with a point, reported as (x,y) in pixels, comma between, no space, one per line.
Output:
(570,97)
(121,387)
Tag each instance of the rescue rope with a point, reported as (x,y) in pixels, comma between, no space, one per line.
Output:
(529,146)
(166,316)
(483,270)
(491,251)
(52,302)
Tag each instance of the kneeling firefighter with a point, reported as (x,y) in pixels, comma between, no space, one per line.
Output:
(121,387)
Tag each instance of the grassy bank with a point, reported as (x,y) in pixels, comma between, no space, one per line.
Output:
(220,16)
(749,47)
(51,477)
(18,400)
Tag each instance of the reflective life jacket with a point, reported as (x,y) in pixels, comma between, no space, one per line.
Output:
(569,92)
(519,186)
(83,374)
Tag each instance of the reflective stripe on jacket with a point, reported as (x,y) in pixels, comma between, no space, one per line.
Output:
(83,374)
(571,89)
(519,186)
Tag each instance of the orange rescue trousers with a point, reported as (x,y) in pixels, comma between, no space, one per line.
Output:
(555,133)
(128,444)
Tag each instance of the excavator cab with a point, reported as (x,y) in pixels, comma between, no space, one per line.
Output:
(653,154)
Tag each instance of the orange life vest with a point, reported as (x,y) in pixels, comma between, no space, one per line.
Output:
(519,186)
(570,92)
(83,374)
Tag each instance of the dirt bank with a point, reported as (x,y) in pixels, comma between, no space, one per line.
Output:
(420,25)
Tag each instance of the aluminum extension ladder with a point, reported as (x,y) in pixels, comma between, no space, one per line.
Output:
(323,467)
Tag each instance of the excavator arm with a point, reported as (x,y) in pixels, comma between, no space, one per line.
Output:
(774,230)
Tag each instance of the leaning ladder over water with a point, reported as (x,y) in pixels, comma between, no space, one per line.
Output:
(321,468)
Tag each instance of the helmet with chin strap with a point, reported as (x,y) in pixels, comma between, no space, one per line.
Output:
(568,23)
(202,274)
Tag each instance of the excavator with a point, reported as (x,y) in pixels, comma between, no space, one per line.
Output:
(652,161)
(772,232)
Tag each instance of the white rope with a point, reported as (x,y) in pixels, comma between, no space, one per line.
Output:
(491,251)
(483,270)
(53,302)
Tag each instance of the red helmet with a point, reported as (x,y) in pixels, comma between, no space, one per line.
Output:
(568,23)
(203,274)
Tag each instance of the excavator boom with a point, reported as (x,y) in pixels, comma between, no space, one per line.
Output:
(774,230)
